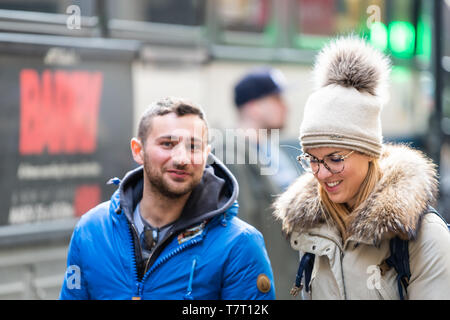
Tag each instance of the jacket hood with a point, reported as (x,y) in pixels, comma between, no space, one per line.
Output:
(394,208)
(214,195)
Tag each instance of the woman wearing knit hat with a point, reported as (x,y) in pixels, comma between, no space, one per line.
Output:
(360,217)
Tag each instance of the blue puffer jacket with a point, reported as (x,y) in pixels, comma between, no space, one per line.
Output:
(223,258)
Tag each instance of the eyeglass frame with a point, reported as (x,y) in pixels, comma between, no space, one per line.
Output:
(322,161)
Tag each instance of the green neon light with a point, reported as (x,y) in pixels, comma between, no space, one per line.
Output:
(271,32)
(424,38)
(378,35)
(401,39)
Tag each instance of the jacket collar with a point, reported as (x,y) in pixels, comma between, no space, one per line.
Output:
(395,207)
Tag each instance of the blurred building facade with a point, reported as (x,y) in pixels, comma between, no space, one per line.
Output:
(137,52)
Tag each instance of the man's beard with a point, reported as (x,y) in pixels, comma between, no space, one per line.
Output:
(161,185)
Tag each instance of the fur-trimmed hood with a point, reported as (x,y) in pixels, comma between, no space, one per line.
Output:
(395,207)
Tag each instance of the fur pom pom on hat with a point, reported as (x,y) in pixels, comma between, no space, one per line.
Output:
(351,87)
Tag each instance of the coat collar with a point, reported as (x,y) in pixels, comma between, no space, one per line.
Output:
(395,207)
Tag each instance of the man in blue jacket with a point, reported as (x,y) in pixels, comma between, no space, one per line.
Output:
(170,231)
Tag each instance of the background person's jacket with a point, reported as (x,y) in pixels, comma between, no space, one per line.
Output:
(396,207)
(208,254)
(257,191)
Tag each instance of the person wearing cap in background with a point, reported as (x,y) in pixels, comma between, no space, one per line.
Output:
(361,217)
(258,96)
(260,105)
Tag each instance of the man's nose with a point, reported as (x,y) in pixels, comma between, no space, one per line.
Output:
(180,155)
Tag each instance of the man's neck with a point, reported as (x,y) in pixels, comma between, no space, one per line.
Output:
(250,128)
(160,210)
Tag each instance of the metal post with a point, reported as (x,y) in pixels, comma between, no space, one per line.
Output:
(436,132)
(102,18)
(438,73)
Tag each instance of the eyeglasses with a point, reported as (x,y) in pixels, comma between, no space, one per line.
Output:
(149,238)
(333,163)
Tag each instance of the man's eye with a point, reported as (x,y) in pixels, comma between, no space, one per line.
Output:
(167,144)
(313,160)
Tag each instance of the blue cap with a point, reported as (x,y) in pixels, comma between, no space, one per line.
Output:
(258,83)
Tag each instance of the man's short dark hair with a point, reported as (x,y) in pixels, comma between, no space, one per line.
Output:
(165,106)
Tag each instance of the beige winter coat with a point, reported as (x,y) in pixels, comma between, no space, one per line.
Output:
(397,206)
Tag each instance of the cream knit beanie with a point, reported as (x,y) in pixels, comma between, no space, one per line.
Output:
(351,80)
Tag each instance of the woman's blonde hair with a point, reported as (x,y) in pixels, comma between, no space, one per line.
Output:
(340,212)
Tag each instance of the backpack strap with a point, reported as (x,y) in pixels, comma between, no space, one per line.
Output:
(305,266)
(399,258)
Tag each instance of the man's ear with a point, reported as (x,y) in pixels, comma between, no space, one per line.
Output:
(137,150)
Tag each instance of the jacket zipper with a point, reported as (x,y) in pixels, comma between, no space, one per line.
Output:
(140,284)
(165,258)
(137,295)
(154,250)
(188,295)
